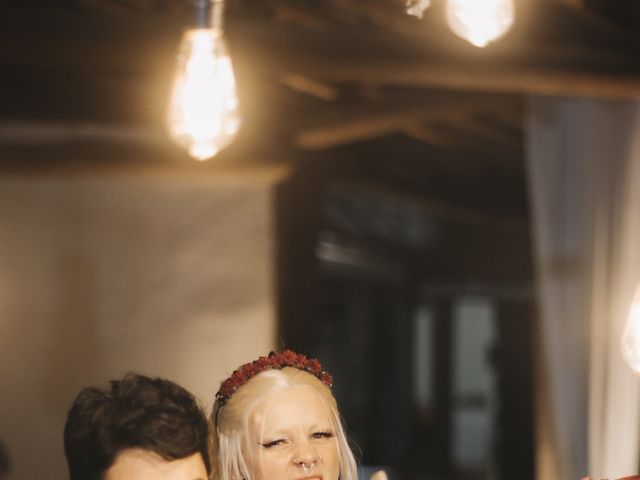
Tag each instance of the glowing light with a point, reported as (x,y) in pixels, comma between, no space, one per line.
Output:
(417,8)
(203,112)
(631,336)
(480,21)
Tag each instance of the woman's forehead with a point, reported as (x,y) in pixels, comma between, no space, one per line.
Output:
(298,406)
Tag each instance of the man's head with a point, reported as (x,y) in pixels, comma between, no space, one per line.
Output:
(139,428)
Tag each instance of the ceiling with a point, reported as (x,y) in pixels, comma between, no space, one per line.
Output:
(395,103)
(313,74)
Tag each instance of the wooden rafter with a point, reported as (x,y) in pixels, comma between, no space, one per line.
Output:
(392,115)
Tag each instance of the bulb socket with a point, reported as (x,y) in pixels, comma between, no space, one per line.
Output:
(209,14)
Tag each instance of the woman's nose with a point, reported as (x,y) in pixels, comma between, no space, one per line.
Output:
(306,454)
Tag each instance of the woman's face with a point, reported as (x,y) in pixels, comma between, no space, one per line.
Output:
(291,438)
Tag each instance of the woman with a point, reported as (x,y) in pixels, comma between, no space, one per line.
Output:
(276,419)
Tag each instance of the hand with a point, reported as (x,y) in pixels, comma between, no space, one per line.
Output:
(379,475)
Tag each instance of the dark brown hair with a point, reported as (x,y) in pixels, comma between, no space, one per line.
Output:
(136,412)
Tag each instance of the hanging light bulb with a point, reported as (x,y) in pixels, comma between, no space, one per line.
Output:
(480,21)
(203,112)
(417,7)
(631,335)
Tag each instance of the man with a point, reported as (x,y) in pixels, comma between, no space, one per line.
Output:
(140,428)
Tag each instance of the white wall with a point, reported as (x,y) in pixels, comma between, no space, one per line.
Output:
(166,275)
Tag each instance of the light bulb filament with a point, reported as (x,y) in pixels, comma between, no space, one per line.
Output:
(203,112)
(480,21)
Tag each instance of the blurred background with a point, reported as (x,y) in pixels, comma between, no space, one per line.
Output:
(380,209)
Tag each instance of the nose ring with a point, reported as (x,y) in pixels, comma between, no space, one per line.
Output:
(306,468)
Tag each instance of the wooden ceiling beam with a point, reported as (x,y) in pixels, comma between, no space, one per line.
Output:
(429,135)
(529,65)
(471,127)
(309,86)
(353,123)
(505,78)
(289,12)
(464,134)
(337,55)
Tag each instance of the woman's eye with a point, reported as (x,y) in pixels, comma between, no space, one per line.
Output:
(319,435)
(273,443)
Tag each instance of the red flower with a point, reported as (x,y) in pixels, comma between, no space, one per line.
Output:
(286,358)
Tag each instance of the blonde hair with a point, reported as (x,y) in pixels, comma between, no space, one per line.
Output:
(230,422)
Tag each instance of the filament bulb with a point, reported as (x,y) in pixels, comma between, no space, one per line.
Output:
(480,21)
(203,112)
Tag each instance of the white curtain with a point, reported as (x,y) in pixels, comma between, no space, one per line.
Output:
(584,170)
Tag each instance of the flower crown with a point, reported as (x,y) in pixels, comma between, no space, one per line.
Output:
(274,361)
